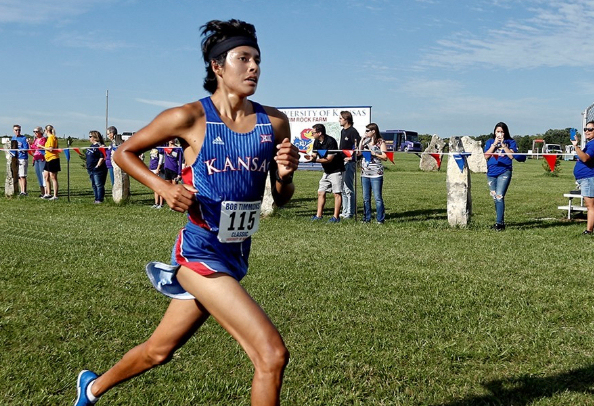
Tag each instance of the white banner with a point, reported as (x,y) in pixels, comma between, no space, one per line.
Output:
(302,119)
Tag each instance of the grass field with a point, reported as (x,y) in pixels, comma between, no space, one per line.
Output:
(413,312)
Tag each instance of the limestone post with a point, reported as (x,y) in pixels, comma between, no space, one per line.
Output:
(427,162)
(476,162)
(268,202)
(12,170)
(121,181)
(458,188)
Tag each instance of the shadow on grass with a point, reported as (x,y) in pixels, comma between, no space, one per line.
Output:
(524,390)
(137,197)
(540,224)
(413,215)
(418,215)
(78,192)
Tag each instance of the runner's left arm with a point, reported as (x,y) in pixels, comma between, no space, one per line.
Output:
(286,159)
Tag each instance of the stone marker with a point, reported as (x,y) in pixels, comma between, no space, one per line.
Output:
(476,162)
(121,181)
(458,188)
(268,205)
(121,184)
(12,170)
(428,163)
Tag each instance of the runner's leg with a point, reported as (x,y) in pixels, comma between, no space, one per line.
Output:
(180,322)
(236,311)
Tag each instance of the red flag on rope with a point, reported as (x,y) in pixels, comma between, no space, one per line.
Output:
(438,159)
(551,160)
(168,150)
(77,150)
(347,152)
(390,155)
(30,152)
(102,149)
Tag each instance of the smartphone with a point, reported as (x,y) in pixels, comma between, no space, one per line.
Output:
(572,132)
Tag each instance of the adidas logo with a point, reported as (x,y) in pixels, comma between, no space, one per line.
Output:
(218,141)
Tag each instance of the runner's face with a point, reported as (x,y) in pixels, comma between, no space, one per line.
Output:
(242,70)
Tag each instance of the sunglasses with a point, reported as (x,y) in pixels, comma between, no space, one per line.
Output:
(368,130)
(589,129)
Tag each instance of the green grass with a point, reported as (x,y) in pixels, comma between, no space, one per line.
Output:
(413,312)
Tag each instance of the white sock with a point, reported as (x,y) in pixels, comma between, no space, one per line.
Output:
(90,396)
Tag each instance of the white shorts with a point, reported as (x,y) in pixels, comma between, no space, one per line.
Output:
(331,183)
(23,168)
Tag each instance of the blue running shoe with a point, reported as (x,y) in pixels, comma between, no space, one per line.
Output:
(84,379)
(315,218)
(334,220)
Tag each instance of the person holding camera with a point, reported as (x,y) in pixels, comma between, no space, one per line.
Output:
(584,173)
(499,152)
(372,172)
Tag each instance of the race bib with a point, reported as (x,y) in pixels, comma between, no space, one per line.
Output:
(239,220)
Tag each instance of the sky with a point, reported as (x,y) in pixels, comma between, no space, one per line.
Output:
(432,66)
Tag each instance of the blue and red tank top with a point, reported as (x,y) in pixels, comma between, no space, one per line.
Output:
(230,166)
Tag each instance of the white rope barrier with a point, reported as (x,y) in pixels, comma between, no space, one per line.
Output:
(449,153)
(55,149)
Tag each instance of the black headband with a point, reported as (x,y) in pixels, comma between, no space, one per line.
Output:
(231,43)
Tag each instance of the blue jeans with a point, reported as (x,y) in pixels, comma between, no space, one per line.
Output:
(374,184)
(39,165)
(348,190)
(498,187)
(111,175)
(98,178)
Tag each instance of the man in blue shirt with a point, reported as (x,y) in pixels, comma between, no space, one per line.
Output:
(584,173)
(22,156)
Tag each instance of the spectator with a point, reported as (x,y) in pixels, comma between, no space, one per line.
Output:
(349,140)
(372,172)
(23,158)
(52,163)
(156,166)
(39,157)
(111,133)
(96,167)
(333,166)
(172,162)
(499,152)
(584,173)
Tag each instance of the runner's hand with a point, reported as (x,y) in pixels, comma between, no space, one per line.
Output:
(287,158)
(179,197)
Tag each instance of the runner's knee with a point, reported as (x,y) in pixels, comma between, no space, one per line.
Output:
(157,355)
(273,358)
